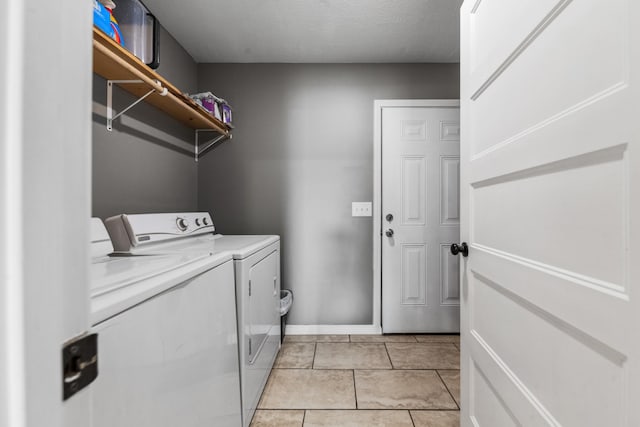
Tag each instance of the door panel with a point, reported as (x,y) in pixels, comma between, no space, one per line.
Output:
(490,50)
(450,190)
(261,309)
(488,407)
(561,361)
(450,281)
(579,67)
(548,204)
(414,130)
(450,131)
(562,196)
(414,203)
(420,166)
(414,274)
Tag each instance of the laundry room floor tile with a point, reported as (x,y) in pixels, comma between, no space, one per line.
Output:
(316,338)
(277,418)
(451,379)
(309,389)
(436,418)
(363,380)
(455,339)
(424,356)
(383,338)
(401,389)
(296,355)
(351,356)
(359,418)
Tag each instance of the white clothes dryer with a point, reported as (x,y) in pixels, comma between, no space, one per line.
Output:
(257,275)
(167,339)
(257,278)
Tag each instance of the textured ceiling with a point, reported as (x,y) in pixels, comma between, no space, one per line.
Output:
(313,31)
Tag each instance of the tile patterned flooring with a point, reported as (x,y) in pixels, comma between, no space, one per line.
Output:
(363,380)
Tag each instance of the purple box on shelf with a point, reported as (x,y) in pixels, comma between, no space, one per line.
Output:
(218,107)
(209,102)
(227,114)
(212,106)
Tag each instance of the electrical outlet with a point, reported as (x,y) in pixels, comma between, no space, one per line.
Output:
(361,209)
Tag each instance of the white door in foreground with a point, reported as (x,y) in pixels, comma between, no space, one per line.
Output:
(45,202)
(550,161)
(420,216)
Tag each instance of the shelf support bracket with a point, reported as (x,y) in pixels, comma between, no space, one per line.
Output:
(110,113)
(207,145)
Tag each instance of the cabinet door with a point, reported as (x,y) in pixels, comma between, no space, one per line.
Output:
(263,297)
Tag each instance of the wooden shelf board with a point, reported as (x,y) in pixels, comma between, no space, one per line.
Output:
(175,103)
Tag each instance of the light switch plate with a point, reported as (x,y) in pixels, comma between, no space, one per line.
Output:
(361,209)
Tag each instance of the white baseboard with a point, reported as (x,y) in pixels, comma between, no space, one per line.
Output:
(333,330)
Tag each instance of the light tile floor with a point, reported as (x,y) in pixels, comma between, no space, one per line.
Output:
(363,380)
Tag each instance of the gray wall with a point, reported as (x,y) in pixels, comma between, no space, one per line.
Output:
(301,153)
(144,165)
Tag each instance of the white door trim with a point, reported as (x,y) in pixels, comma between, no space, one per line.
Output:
(378,105)
(45,205)
(332,330)
(12,350)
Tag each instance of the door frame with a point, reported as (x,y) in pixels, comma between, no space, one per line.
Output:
(45,205)
(378,105)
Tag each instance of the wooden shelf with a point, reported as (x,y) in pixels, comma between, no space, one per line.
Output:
(113,62)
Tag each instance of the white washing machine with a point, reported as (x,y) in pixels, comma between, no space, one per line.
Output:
(167,339)
(257,277)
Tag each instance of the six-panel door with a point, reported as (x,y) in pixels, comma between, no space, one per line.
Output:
(420,219)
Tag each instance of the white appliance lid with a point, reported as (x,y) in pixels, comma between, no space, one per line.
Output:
(118,283)
(243,246)
(238,246)
(113,273)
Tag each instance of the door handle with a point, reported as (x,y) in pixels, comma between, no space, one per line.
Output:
(389,232)
(462,248)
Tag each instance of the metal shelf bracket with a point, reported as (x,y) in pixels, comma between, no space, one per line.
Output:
(110,112)
(207,145)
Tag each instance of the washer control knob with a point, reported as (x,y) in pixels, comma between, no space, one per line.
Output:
(198,222)
(182,224)
(205,221)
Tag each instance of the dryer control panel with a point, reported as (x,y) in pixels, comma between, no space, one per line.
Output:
(129,231)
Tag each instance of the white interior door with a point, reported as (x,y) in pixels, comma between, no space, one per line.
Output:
(45,178)
(550,205)
(420,216)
